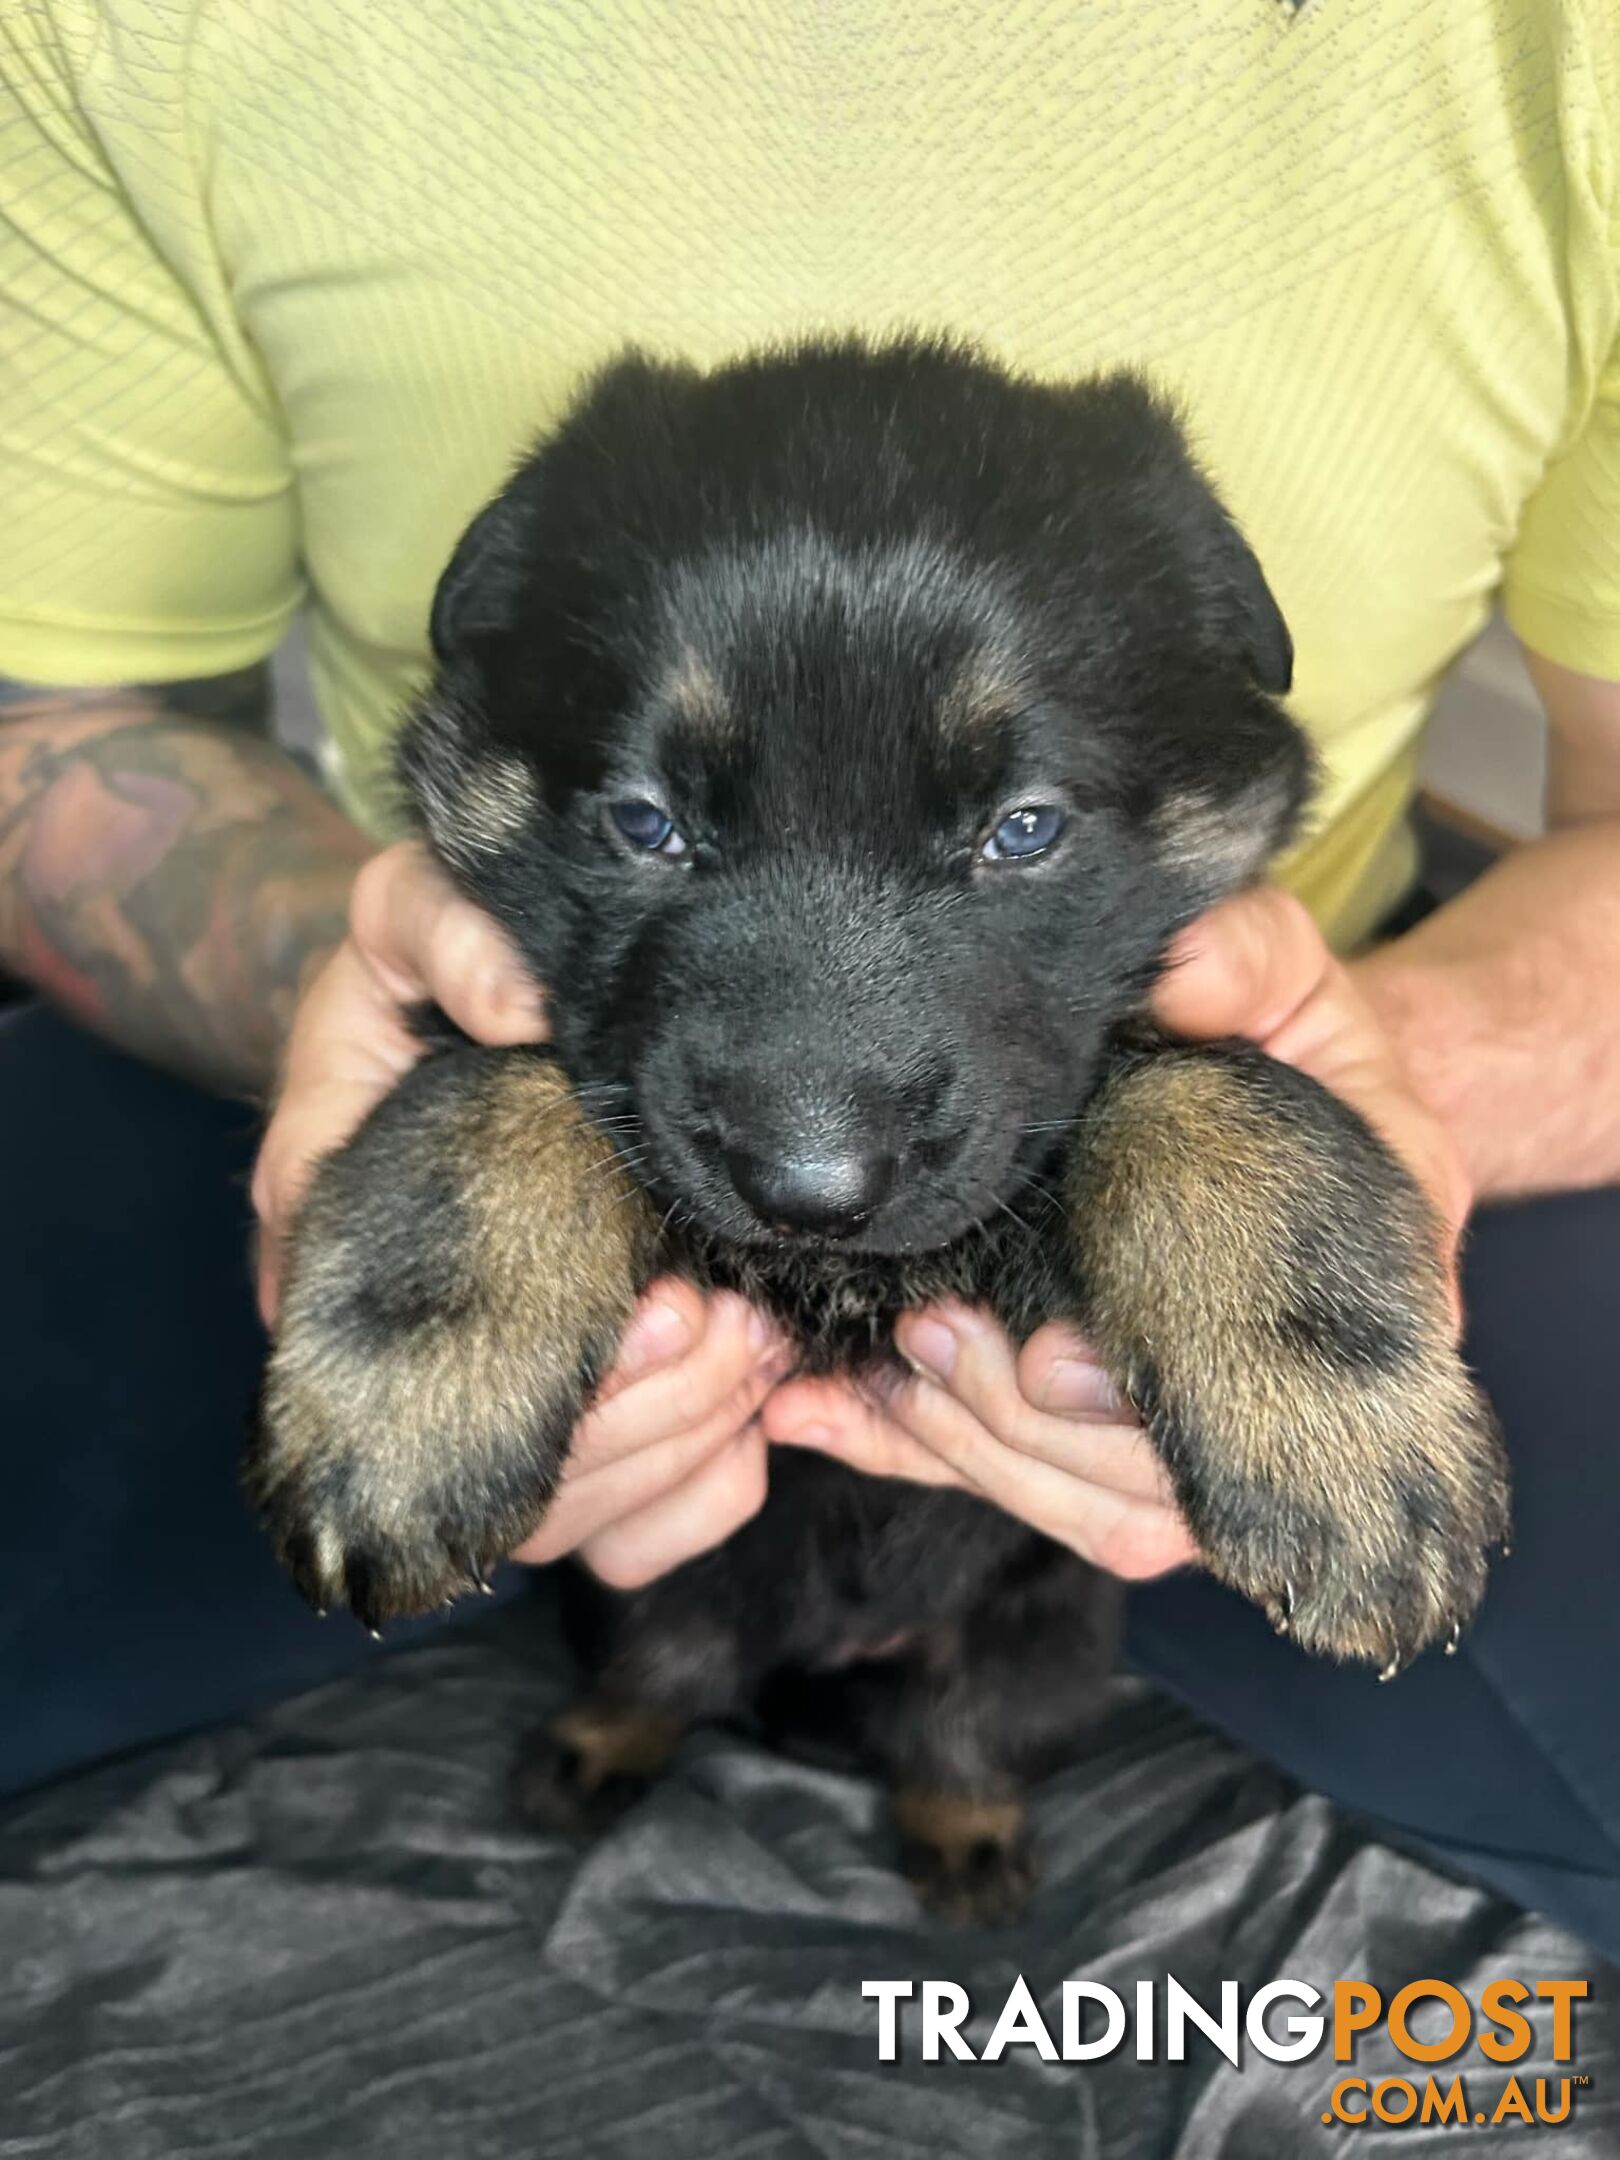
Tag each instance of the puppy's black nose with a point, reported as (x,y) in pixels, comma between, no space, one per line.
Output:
(826,1195)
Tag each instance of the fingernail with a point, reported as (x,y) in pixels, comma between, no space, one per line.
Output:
(660,1333)
(931,1348)
(1074,1385)
(809,1436)
(510,993)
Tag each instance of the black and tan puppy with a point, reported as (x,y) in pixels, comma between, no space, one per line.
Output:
(843,735)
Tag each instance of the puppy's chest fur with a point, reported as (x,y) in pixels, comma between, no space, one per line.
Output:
(840,1308)
(869,1559)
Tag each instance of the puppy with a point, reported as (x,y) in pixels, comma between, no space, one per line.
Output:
(842,736)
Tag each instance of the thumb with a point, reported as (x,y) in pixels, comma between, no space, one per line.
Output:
(424,940)
(1244,968)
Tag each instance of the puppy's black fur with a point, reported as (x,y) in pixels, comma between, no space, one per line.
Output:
(842,736)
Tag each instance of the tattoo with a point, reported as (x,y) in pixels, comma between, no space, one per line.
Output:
(238,700)
(166,874)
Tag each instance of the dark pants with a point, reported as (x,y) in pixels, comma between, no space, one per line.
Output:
(138,1598)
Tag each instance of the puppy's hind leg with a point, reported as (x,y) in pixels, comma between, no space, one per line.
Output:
(982,1706)
(1264,1278)
(455,1284)
(673,1658)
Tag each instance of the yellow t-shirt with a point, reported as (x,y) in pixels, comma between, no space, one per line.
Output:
(286,286)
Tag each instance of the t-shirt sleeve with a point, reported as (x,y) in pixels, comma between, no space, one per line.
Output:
(1561,592)
(1561,585)
(149,530)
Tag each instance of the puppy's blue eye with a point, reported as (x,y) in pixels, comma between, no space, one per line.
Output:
(644,825)
(1025,832)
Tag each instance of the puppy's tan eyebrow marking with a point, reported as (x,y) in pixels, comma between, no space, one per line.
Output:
(693,690)
(982,694)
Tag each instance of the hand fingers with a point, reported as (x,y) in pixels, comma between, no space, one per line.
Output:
(1051,1401)
(701,1511)
(671,1409)
(670,1317)
(834,1418)
(412,937)
(1097,1440)
(925,1435)
(1257,966)
(1094,1485)
(347,1048)
(594,1496)
(656,1403)
(424,940)
(1103,1517)
(689,1379)
(1243,968)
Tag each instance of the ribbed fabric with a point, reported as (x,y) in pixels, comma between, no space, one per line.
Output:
(287,286)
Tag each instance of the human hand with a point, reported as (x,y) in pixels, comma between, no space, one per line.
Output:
(412,938)
(669,1460)
(1040,1431)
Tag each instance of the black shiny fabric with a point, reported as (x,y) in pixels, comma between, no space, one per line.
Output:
(319,1932)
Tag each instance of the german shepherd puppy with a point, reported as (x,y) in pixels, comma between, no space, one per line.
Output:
(843,735)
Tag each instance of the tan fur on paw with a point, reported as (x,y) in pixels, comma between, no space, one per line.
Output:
(591,1762)
(456,1283)
(966,1855)
(1264,1279)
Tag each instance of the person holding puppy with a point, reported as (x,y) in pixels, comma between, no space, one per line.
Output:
(274,336)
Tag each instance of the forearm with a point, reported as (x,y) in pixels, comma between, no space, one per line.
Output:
(1505,1006)
(166,875)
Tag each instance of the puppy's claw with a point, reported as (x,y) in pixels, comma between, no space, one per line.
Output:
(362,1591)
(1454,1638)
(1392,1669)
(470,1569)
(298,1555)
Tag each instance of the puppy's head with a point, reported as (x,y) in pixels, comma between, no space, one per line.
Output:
(842,735)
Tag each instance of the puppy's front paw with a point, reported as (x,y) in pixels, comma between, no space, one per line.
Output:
(1359,1512)
(1265,1278)
(457,1281)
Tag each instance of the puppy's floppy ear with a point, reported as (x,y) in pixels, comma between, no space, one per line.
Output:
(1135,438)
(562,504)
(474,597)
(1258,620)
(470,796)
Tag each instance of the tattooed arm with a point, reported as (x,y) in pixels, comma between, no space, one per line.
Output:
(166,874)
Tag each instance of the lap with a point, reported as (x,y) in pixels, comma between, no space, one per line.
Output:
(138,1596)
(1505,1758)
